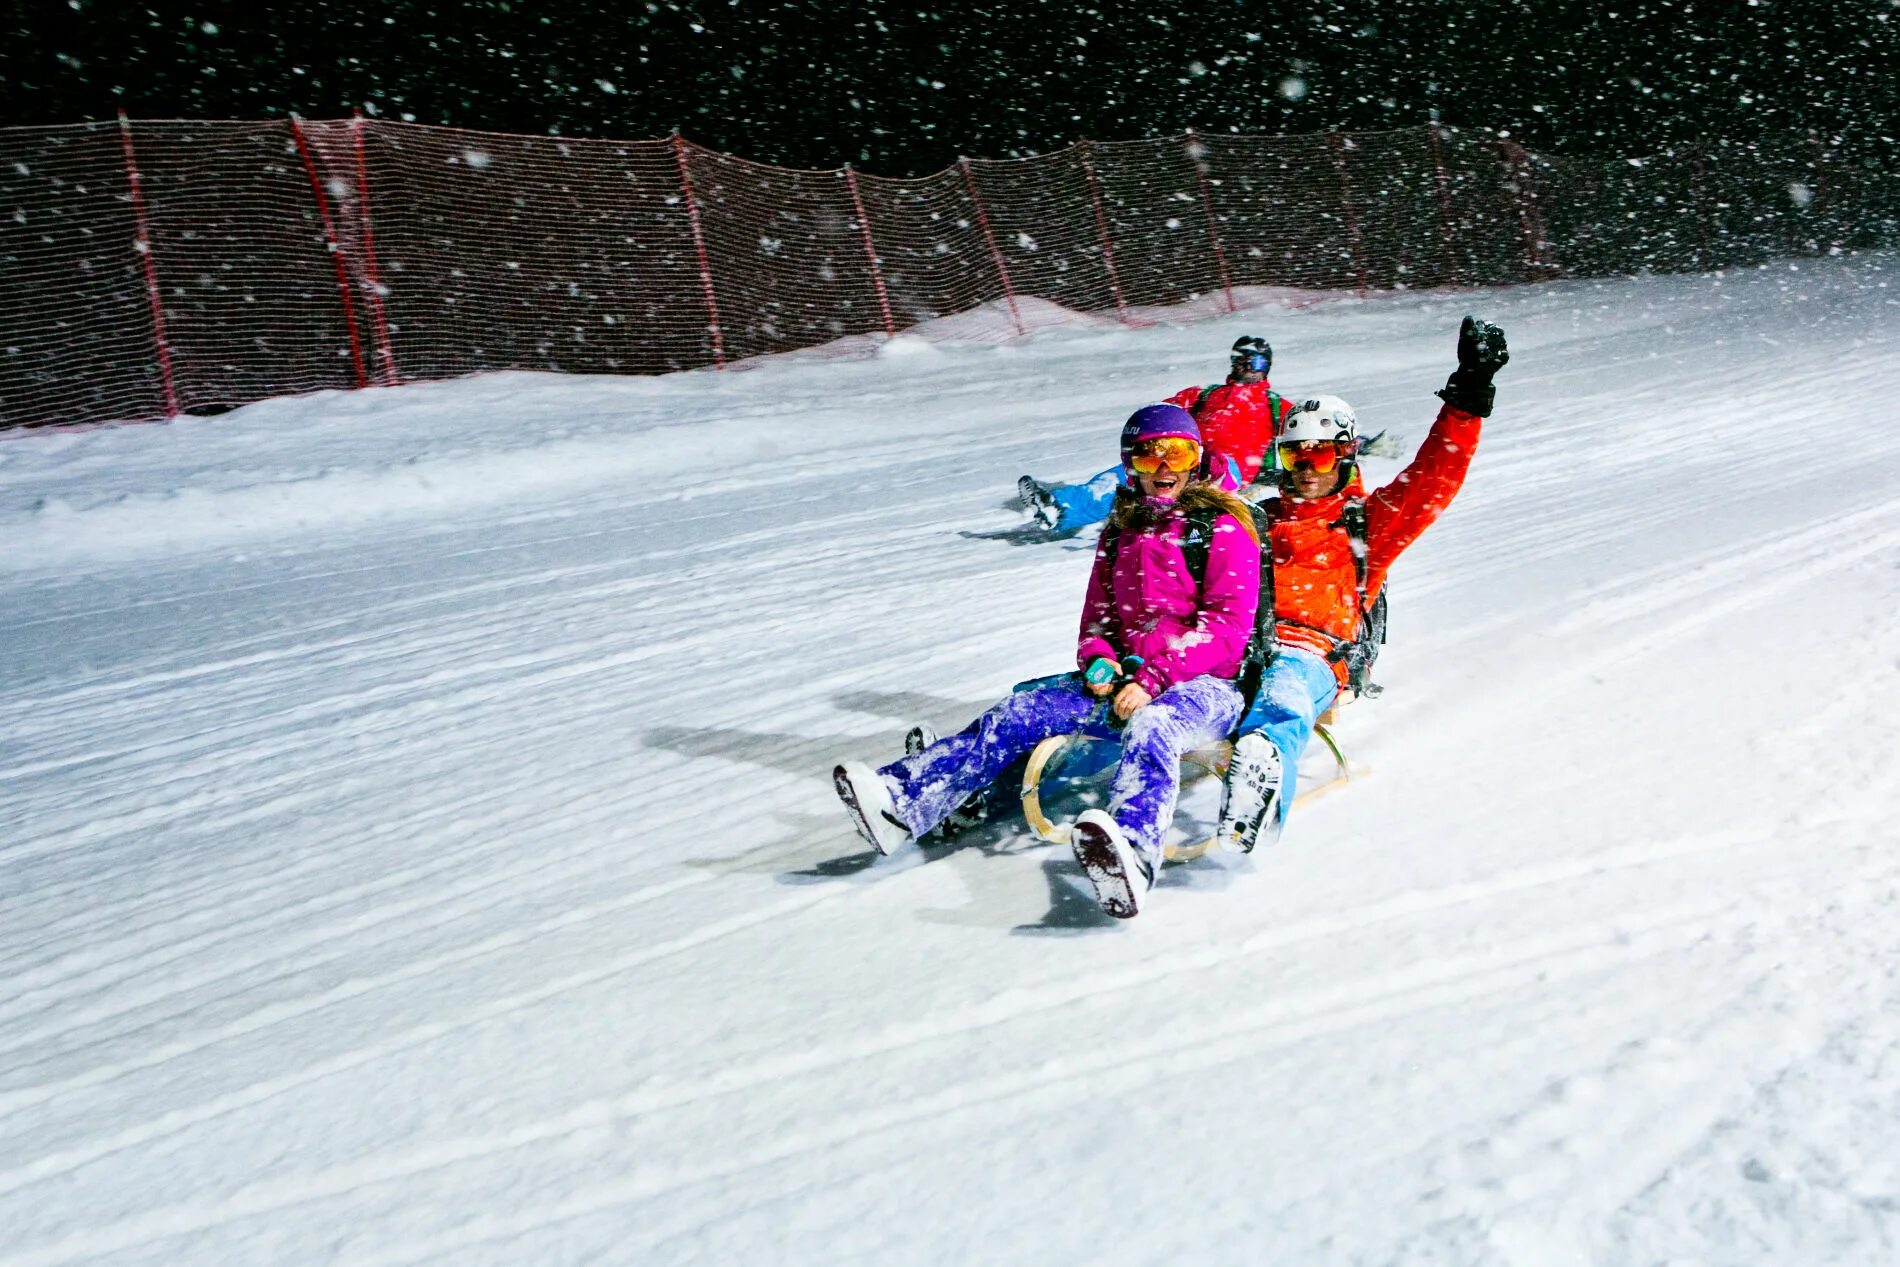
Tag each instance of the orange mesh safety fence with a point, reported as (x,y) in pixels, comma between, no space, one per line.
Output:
(154,268)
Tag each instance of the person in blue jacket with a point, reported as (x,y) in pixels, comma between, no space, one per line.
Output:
(1237,420)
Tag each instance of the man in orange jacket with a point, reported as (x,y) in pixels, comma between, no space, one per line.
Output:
(1324,575)
(1236,418)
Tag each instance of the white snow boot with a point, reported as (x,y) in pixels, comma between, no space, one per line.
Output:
(1250,810)
(872,811)
(1120,875)
(1039,502)
(917,738)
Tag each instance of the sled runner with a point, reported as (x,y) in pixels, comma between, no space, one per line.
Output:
(1074,757)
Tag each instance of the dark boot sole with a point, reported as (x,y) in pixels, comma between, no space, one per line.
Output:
(849,795)
(1095,851)
(1266,831)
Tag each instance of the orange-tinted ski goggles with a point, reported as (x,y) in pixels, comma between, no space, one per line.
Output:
(1321,455)
(1174,452)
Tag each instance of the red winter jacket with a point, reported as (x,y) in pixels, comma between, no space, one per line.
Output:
(1315,586)
(1237,420)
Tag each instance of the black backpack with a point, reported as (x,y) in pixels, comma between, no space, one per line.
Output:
(1359,654)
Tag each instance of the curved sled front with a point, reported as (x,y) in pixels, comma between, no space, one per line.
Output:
(1056,749)
(1039,758)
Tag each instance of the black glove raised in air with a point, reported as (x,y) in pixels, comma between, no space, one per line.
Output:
(1481,353)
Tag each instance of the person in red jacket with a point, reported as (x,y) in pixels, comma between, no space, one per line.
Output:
(1236,418)
(1321,585)
(1240,416)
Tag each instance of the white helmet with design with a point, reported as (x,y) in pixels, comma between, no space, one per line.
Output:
(1321,418)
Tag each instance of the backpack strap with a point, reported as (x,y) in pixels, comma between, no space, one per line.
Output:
(1264,642)
(1196,537)
(1269,471)
(1360,652)
(1353,520)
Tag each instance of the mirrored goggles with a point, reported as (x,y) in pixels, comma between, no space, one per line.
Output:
(1252,362)
(1320,455)
(1173,452)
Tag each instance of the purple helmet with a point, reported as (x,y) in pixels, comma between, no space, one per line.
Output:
(1154,422)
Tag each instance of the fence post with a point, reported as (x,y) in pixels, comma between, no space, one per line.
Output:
(1213,228)
(142,243)
(870,251)
(1701,189)
(1353,245)
(699,246)
(1786,207)
(1540,239)
(1517,169)
(1101,228)
(983,219)
(1823,202)
(1443,182)
(336,251)
(389,376)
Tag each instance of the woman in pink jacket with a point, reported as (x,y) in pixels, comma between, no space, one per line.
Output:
(1161,643)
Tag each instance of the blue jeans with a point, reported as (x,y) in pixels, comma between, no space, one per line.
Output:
(926,787)
(1089,502)
(1297,688)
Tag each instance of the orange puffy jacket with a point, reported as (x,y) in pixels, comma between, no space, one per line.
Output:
(1315,585)
(1237,420)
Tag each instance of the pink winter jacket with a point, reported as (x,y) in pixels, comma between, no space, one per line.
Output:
(1157,614)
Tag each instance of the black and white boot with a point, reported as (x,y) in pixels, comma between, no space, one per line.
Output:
(1039,502)
(1119,874)
(1250,803)
(917,738)
(873,812)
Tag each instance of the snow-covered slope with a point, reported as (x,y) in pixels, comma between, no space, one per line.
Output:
(417,845)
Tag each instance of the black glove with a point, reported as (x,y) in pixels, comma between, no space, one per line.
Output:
(1481,353)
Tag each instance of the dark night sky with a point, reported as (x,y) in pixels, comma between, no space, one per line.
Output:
(906,87)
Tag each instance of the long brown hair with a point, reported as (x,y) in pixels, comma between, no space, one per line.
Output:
(1131,511)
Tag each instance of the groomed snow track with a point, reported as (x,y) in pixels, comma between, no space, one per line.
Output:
(417,843)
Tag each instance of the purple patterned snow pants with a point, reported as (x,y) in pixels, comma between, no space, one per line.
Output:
(1200,711)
